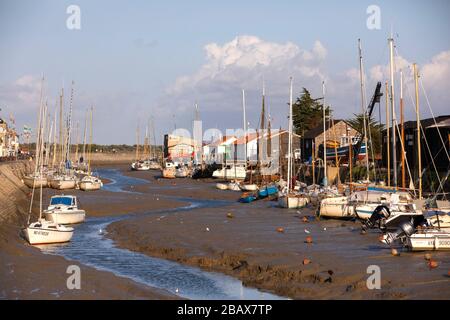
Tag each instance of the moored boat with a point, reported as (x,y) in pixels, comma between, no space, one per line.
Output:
(63,209)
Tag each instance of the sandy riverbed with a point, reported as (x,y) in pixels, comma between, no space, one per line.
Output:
(26,273)
(249,247)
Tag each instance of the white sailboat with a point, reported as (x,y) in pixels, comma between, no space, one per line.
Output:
(43,231)
(288,198)
(89,182)
(63,209)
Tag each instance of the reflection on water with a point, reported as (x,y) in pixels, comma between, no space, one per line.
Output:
(90,247)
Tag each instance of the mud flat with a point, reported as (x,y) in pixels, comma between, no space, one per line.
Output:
(248,245)
(26,273)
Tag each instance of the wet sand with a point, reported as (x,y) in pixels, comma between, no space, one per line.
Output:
(249,246)
(26,273)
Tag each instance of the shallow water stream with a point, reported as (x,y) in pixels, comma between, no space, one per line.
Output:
(91,247)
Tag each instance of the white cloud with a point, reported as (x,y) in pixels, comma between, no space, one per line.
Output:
(243,63)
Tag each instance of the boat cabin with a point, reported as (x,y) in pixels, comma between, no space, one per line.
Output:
(63,200)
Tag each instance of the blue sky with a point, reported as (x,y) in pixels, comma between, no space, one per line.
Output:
(129,53)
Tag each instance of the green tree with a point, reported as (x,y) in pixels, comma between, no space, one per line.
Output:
(374,130)
(307,112)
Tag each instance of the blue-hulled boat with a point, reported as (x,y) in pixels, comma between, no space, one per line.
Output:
(267,191)
(247,198)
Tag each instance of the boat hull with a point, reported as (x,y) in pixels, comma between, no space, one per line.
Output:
(37,181)
(429,241)
(63,184)
(89,186)
(249,187)
(336,208)
(292,202)
(221,186)
(168,173)
(47,236)
(72,217)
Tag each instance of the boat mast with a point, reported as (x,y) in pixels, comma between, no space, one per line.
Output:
(290,137)
(402,132)
(388,142)
(85,135)
(325,178)
(90,143)
(137,143)
(54,137)
(416,80)
(363,106)
(61,141)
(394,120)
(245,127)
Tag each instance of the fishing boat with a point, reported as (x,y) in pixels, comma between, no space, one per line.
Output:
(63,182)
(63,209)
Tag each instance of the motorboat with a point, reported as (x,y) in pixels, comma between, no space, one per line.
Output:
(90,183)
(63,209)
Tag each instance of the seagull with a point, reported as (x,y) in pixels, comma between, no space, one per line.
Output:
(324,229)
(207,229)
(307,231)
(100,231)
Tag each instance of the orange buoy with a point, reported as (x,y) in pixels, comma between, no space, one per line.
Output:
(230,215)
(280,229)
(309,239)
(427,256)
(433,264)
(305,219)
(306,261)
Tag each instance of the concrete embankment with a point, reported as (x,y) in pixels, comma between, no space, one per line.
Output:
(13,193)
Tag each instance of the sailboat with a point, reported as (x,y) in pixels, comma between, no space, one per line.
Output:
(66,178)
(43,231)
(89,182)
(246,186)
(288,198)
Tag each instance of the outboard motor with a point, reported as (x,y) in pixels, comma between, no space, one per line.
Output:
(380,212)
(405,229)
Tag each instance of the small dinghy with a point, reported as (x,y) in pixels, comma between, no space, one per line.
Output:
(428,239)
(249,187)
(267,191)
(234,186)
(293,201)
(247,198)
(221,186)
